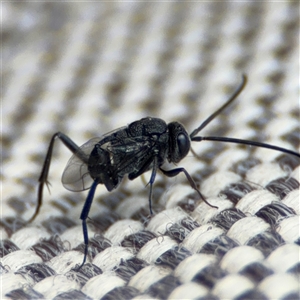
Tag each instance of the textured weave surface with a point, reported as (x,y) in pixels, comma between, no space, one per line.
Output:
(87,68)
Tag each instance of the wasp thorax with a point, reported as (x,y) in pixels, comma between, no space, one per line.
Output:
(98,161)
(179,142)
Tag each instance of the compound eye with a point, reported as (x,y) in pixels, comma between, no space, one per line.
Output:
(183,144)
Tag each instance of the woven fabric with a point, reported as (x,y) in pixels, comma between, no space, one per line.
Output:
(86,68)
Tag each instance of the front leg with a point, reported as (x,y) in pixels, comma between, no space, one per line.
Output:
(175,172)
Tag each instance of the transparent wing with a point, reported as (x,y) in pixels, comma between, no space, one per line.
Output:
(76,176)
(130,154)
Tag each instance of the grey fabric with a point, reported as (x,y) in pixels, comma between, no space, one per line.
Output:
(86,68)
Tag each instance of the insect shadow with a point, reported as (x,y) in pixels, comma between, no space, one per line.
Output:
(132,150)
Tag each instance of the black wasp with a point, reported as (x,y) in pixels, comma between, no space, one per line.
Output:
(131,150)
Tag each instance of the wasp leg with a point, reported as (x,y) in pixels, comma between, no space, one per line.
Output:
(44,174)
(84,215)
(145,168)
(175,172)
(151,181)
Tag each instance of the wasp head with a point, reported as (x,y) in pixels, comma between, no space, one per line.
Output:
(179,142)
